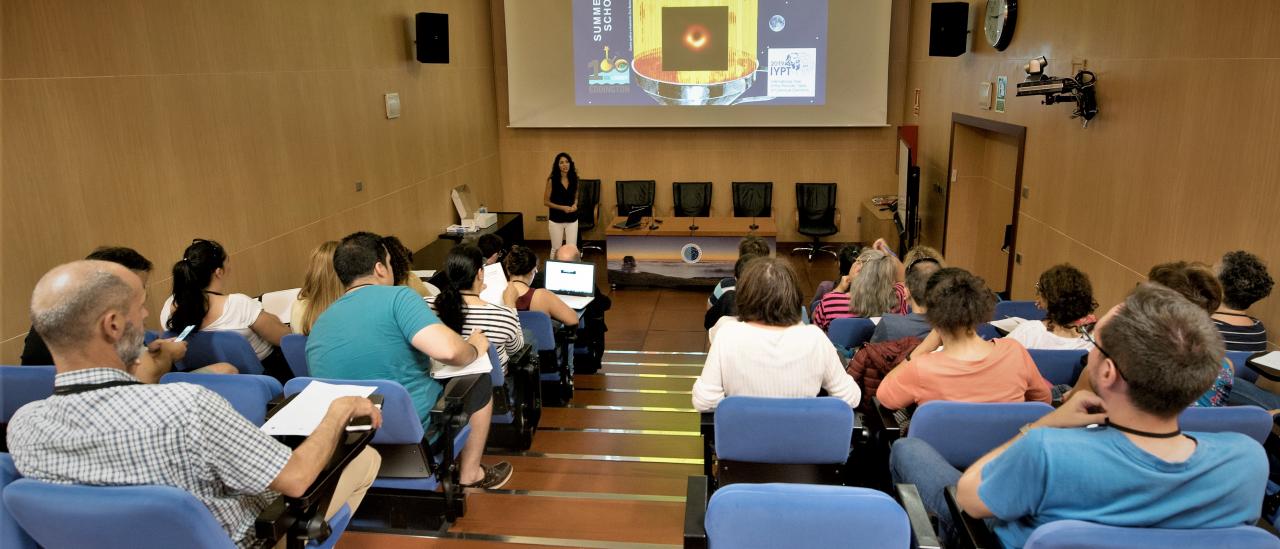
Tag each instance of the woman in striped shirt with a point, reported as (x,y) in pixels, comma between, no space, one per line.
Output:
(460,308)
(1245,281)
(871,289)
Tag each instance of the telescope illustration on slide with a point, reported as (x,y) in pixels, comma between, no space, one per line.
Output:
(688,52)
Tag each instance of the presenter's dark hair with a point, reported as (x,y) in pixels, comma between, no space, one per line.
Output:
(520,261)
(769,293)
(1244,279)
(191,275)
(460,269)
(128,257)
(1067,293)
(356,256)
(401,259)
(555,169)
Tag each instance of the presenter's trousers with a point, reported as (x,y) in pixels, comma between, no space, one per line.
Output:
(566,233)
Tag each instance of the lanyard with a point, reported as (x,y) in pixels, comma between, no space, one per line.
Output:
(84,388)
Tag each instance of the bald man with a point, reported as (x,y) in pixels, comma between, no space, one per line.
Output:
(103,427)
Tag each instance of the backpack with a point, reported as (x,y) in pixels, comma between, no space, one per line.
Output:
(871,363)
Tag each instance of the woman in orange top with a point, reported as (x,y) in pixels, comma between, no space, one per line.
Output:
(968,368)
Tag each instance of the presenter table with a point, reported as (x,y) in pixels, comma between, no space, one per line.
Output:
(673,253)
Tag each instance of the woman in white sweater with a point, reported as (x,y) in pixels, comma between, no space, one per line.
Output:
(768,351)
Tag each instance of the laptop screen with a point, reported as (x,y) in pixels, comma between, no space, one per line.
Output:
(571,278)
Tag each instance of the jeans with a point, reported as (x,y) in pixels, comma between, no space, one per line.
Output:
(914,461)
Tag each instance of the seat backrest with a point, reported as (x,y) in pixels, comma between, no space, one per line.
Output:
(22,384)
(816,203)
(634,194)
(496,373)
(753,199)
(400,423)
(804,515)
(1060,367)
(1022,309)
(110,517)
(1246,420)
(1243,371)
(816,430)
(1076,534)
(12,536)
(850,333)
(247,393)
(987,331)
(539,324)
(207,347)
(588,199)
(691,199)
(963,431)
(294,348)
(280,303)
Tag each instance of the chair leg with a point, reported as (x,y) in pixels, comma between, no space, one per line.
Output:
(814,248)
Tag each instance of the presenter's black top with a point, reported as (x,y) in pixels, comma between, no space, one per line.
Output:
(563,196)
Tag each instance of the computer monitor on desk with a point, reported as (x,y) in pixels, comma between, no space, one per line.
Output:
(573,282)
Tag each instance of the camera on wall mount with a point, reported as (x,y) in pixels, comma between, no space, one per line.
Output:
(1061,89)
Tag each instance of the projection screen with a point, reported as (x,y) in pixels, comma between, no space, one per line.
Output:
(697,63)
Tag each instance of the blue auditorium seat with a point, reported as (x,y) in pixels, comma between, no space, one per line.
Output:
(207,347)
(850,333)
(1238,360)
(987,331)
(782,439)
(1075,534)
(1247,420)
(746,516)
(248,394)
(556,366)
(963,431)
(1026,310)
(1060,367)
(22,384)
(12,536)
(294,347)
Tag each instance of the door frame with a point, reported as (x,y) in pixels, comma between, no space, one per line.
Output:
(1019,133)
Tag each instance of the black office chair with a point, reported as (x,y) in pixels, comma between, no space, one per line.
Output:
(691,199)
(752,199)
(588,211)
(816,216)
(635,194)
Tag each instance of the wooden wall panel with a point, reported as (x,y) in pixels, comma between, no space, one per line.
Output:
(148,122)
(1180,163)
(861,160)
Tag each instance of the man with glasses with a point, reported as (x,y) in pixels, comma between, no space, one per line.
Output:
(1116,456)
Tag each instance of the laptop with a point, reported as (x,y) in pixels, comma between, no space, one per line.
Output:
(573,282)
(632,221)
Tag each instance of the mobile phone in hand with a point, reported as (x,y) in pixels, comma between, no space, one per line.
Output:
(185,332)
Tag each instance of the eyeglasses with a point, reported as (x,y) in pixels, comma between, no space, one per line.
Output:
(1088,336)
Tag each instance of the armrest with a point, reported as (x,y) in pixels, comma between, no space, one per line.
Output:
(452,403)
(708,430)
(921,527)
(973,532)
(695,513)
(837,218)
(891,427)
(302,518)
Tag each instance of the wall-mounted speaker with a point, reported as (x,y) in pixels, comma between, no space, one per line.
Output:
(431,37)
(948,29)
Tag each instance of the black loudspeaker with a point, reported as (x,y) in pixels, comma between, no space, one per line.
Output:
(431,37)
(948,29)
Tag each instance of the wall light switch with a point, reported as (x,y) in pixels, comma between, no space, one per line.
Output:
(393,105)
(984,96)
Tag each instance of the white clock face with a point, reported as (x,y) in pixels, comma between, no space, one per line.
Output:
(997,13)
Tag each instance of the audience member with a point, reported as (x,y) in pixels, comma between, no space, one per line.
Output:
(917,254)
(768,351)
(1245,281)
(750,245)
(460,308)
(320,288)
(726,305)
(869,290)
(493,247)
(913,324)
(1154,355)
(377,330)
(402,267)
(200,299)
(102,427)
(589,344)
(844,261)
(522,266)
(160,353)
(1066,296)
(968,368)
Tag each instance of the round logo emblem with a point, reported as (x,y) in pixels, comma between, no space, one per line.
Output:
(691,253)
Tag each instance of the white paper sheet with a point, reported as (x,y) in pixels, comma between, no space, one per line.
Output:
(495,282)
(482,365)
(307,409)
(1007,325)
(280,303)
(1270,360)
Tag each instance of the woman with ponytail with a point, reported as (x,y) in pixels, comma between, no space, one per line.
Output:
(460,308)
(200,299)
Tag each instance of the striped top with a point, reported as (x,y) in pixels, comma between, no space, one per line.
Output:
(499,324)
(835,305)
(1243,338)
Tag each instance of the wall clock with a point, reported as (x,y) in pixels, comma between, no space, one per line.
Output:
(1002,16)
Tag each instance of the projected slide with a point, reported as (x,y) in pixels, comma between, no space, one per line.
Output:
(699,52)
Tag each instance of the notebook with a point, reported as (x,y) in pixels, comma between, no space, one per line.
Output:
(573,282)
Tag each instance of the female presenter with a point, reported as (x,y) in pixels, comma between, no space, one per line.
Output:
(561,197)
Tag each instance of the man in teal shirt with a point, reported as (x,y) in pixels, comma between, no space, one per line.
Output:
(380,331)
